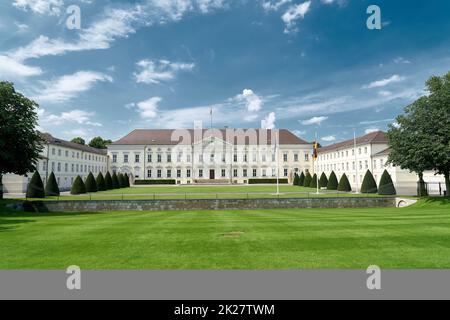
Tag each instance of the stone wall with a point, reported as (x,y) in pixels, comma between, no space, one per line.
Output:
(209,204)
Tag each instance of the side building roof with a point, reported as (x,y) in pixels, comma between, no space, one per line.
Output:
(48,138)
(374,137)
(161,137)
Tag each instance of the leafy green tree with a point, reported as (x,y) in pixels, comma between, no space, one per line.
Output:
(323,182)
(301,180)
(369,185)
(332,182)
(296,179)
(52,188)
(101,184)
(20,143)
(308,180)
(108,181)
(79,140)
(78,186)
(386,187)
(115,181)
(344,184)
(35,188)
(313,183)
(91,184)
(99,143)
(420,140)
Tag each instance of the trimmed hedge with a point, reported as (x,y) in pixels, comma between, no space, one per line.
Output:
(307,181)
(154,182)
(127,180)
(101,184)
(369,184)
(78,186)
(386,187)
(122,182)
(301,180)
(267,181)
(108,181)
(344,184)
(35,188)
(332,182)
(296,179)
(323,182)
(313,183)
(91,184)
(51,188)
(115,181)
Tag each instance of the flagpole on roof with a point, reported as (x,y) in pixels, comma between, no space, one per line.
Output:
(277,150)
(356,162)
(316,158)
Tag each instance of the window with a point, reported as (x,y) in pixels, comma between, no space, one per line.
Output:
(53,151)
(367,164)
(149,174)
(274,157)
(296,157)
(264,158)
(149,158)
(307,157)
(178,173)
(77,167)
(235,158)
(66,167)
(285,157)
(286,172)
(359,151)
(246,158)
(59,167)
(59,152)
(188,173)
(200,173)
(159,173)
(254,173)
(245,173)
(169,173)
(125,158)
(381,163)
(264,172)
(67,153)
(169,158)
(180,157)
(44,166)
(114,158)
(235,173)
(159,158)
(365,150)
(360,165)
(136,158)
(223,173)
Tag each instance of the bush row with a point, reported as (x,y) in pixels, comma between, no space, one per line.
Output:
(154,182)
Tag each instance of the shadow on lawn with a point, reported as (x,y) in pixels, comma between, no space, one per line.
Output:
(434,202)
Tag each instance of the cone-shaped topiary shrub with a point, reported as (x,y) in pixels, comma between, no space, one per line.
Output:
(101,185)
(313,183)
(115,181)
(369,184)
(323,182)
(91,184)
(301,180)
(51,188)
(35,188)
(386,187)
(296,179)
(108,181)
(422,188)
(127,179)
(308,179)
(344,184)
(332,182)
(122,182)
(78,186)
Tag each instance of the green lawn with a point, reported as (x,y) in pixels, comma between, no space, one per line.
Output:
(414,237)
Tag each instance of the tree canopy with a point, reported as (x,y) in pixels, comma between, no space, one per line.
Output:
(18,121)
(99,143)
(79,140)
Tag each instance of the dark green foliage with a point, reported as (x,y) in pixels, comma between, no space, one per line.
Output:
(369,184)
(344,184)
(101,184)
(78,140)
(108,181)
(51,188)
(20,143)
(386,187)
(307,181)
(301,180)
(78,187)
(313,183)
(35,188)
(296,179)
(91,184)
(332,182)
(115,181)
(323,182)
(122,182)
(155,182)
(127,179)
(99,143)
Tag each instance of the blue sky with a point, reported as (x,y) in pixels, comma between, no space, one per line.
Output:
(302,65)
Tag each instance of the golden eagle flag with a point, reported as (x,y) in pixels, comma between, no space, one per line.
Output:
(316,151)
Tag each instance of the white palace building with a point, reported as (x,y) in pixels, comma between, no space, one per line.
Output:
(210,156)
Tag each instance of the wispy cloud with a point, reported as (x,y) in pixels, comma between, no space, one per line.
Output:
(74,116)
(314,121)
(148,109)
(274,5)
(385,82)
(154,72)
(293,14)
(329,138)
(42,7)
(269,121)
(12,69)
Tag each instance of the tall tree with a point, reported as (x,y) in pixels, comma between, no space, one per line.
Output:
(20,143)
(421,138)
(99,143)
(79,140)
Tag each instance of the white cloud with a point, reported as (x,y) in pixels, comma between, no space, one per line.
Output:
(299,133)
(274,5)
(73,116)
(269,121)
(401,60)
(253,102)
(154,72)
(148,109)
(371,130)
(69,86)
(12,69)
(385,93)
(314,120)
(43,7)
(329,138)
(385,82)
(293,14)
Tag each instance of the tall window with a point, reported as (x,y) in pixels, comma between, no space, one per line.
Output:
(125,158)
(200,173)
(223,173)
(235,173)
(149,174)
(178,173)
(245,173)
(188,173)
(149,158)
(296,157)
(159,158)
(169,173)
(286,172)
(169,158)
(136,158)
(285,157)
(114,160)
(255,174)
(159,173)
